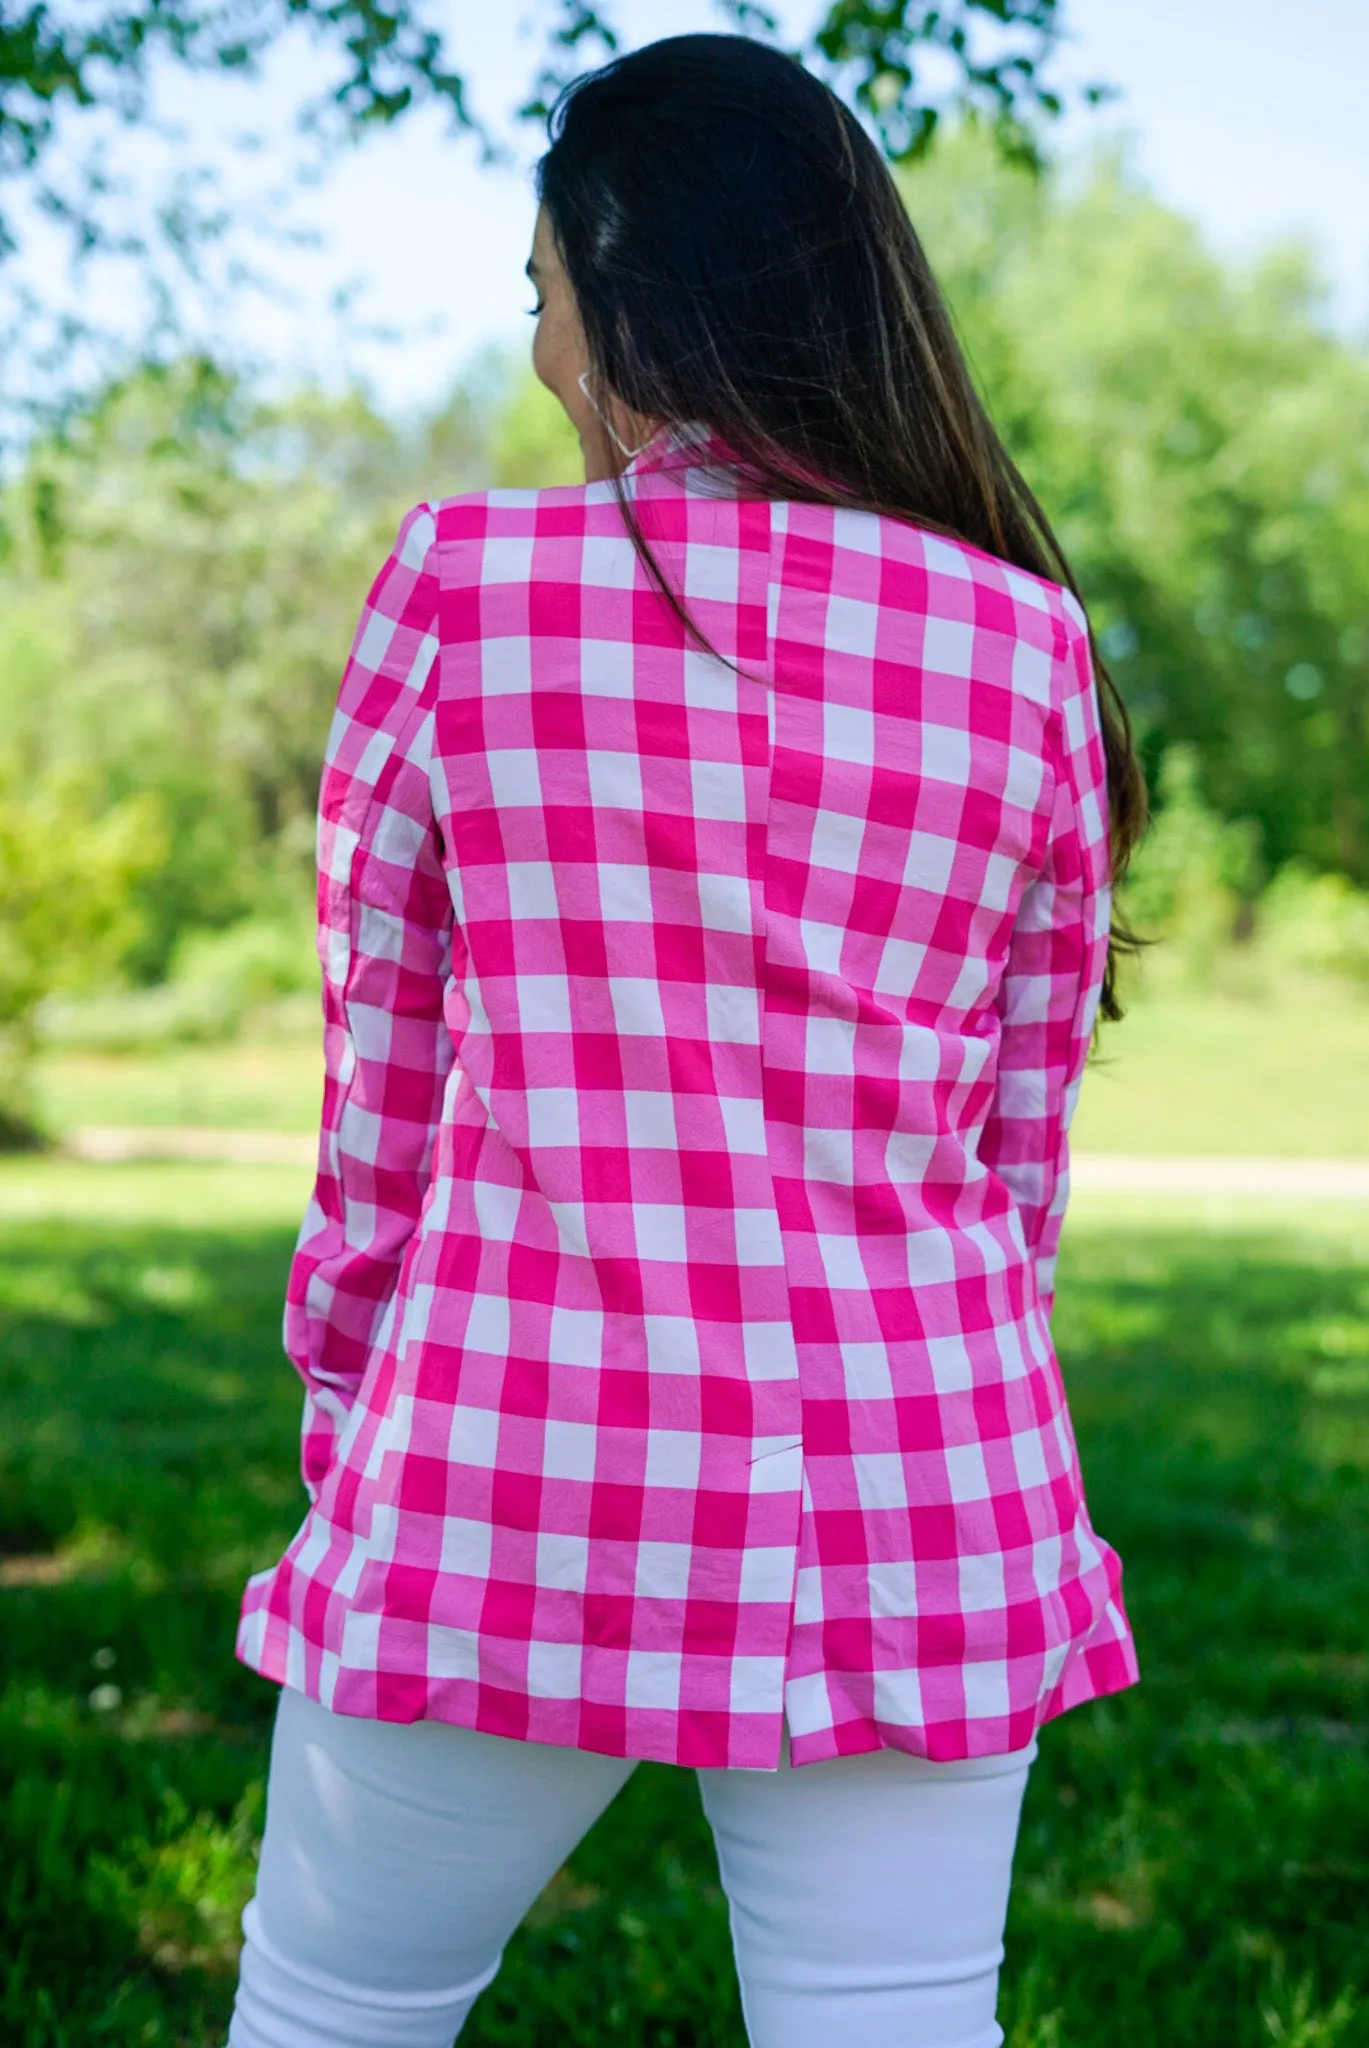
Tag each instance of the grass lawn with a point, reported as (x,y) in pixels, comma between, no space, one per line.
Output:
(1211,1073)
(273,1086)
(1216,1073)
(1194,1854)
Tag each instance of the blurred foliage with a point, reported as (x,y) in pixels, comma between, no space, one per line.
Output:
(533,443)
(879,44)
(69,871)
(218,982)
(1317,923)
(181,569)
(1192,885)
(1199,893)
(391,57)
(180,574)
(56,61)
(1202,443)
(995,55)
(181,609)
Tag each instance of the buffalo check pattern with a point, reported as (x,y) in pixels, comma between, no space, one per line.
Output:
(701,1034)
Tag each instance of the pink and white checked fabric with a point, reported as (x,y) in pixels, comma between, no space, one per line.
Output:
(701,1038)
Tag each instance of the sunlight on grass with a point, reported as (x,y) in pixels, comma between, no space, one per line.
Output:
(152,1191)
(182,1894)
(1135,1225)
(1214,1074)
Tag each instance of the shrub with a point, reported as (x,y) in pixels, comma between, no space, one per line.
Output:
(66,873)
(219,981)
(1318,924)
(1195,875)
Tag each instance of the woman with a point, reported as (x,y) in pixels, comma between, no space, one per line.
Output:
(714,897)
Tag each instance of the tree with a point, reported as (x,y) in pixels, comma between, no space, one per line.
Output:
(1198,437)
(182,565)
(185,559)
(185,564)
(70,58)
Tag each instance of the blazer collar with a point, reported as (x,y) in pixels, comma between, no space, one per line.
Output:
(682,447)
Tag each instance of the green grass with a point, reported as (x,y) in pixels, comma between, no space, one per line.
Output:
(160,1192)
(1216,1073)
(273,1086)
(1194,1853)
(1205,1073)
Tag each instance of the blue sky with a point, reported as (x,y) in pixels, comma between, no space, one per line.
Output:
(1245,114)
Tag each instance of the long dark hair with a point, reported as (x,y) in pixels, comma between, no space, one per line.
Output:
(741,259)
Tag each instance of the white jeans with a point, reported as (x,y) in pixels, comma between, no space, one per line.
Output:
(867,1895)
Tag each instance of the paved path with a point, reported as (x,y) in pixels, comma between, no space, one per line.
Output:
(1345,1180)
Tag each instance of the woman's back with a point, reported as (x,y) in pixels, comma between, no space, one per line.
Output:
(702,1036)
(714,908)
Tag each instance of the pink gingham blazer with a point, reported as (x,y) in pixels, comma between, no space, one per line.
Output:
(701,1036)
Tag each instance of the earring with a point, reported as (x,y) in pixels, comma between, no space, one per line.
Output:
(583,381)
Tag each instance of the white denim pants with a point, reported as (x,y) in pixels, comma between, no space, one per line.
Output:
(867,1895)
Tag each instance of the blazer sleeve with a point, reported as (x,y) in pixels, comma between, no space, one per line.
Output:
(1048,998)
(384,941)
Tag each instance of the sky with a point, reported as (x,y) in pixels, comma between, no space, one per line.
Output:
(1246,115)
